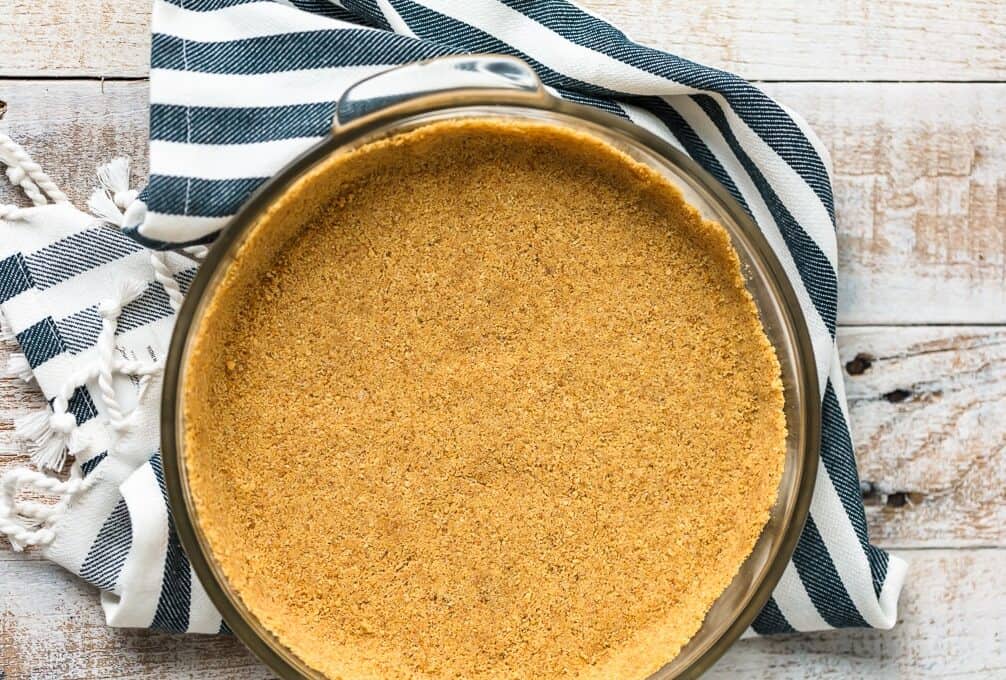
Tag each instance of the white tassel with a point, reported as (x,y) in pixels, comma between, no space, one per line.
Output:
(33,427)
(114,175)
(110,201)
(110,308)
(103,207)
(78,443)
(18,367)
(130,289)
(6,334)
(51,455)
(197,253)
(49,434)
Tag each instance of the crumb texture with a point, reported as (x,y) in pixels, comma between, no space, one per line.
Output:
(483,400)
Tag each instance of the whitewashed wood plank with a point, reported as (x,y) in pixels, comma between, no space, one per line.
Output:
(72,127)
(779,40)
(928,410)
(824,40)
(951,619)
(51,626)
(82,38)
(920,180)
(920,172)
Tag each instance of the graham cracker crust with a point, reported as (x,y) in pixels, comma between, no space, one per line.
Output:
(485,399)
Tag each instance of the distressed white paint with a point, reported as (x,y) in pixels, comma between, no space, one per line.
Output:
(938,437)
(950,624)
(777,40)
(919,176)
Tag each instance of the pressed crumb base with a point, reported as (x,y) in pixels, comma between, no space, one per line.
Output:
(503,408)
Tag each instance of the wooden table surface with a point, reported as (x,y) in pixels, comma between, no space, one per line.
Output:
(910,98)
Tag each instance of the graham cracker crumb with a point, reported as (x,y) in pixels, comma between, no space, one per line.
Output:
(488,400)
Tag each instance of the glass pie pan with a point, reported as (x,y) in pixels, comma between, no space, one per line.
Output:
(491,86)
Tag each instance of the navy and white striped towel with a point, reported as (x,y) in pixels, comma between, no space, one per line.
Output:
(238,87)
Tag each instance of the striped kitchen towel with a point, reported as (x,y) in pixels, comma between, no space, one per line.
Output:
(239,87)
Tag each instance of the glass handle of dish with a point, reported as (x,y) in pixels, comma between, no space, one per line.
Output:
(438,83)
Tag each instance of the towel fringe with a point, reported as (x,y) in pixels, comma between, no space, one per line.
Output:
(110,309)
(114,176)
(6,332)
(103,207)
(18,367)
(11,213)
(197,253)
(162,274)
(50,433)
(24,172)
(27,523)
(109,202)
(54,434)
(33,427)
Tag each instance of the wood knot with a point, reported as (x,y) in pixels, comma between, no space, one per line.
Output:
(897,396)
(900,499)
(897,499)
(859,364)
